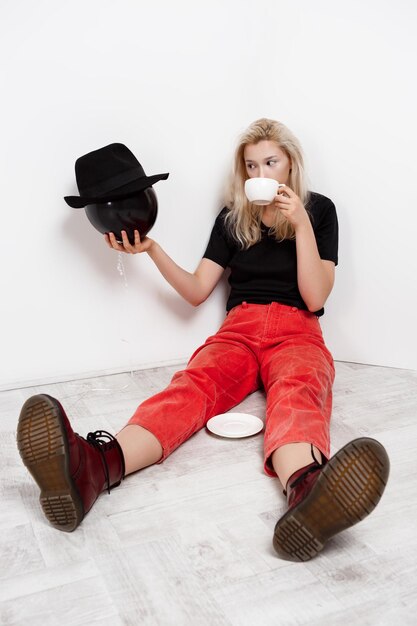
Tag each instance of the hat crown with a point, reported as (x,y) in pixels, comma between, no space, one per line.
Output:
(109,173)
(106,168)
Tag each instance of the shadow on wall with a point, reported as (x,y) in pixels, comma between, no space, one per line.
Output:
(91,244)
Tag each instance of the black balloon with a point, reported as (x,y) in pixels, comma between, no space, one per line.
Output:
(135,213)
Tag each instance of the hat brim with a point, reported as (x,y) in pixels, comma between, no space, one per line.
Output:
(79,202)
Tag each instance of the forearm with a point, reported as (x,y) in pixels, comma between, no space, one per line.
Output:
(313,280)
(185,283)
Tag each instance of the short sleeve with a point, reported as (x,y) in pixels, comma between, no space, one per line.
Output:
(326,231)
(219,248)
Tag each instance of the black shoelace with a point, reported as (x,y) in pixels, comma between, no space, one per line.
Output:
(313,468)
(98,440)
(309,470)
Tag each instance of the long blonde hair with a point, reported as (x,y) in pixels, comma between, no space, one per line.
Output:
(244,218)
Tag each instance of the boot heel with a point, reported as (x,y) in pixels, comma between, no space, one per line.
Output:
(60,511)
(294,542)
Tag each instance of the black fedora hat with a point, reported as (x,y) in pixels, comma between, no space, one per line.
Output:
(109,173)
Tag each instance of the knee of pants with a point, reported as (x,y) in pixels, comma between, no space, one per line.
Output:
(195,382)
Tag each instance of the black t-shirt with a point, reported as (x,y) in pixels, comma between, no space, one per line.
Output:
(267,271)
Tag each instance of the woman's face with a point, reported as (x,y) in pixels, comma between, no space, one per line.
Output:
(265,159)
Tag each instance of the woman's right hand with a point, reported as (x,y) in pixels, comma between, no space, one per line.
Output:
(139,245)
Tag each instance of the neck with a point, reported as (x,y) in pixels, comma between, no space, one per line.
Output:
(269,214)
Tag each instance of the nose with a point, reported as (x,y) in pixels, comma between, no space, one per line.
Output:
(261,173)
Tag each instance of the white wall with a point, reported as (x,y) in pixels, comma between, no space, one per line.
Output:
(177,82)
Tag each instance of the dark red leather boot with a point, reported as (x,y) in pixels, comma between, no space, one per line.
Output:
(71,471)
(324,500)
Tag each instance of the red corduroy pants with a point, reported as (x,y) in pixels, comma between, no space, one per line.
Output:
(274,346)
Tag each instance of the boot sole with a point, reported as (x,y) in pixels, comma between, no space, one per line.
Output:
(43,447)
(349,487)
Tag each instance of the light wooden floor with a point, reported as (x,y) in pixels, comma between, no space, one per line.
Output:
(189,542)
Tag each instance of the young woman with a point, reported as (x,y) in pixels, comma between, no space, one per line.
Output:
(282,259)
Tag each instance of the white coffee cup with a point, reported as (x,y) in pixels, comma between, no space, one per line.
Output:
(261,190)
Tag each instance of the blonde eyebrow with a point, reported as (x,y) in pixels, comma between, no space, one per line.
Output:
(273,156)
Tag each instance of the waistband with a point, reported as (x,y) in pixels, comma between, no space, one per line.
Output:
(272,305)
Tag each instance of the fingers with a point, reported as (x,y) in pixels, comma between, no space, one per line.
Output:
(287,190)
(137,243)
(285,197)
(125,245)
(113,243)
(137,238)
(281,199)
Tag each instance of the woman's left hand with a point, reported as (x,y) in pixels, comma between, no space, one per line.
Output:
(291,207)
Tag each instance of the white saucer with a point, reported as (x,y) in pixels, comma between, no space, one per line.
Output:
(235,425)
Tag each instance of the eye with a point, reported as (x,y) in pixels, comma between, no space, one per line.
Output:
(272,161)
(250,166)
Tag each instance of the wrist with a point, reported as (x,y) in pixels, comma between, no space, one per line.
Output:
(303,226)
(151,246)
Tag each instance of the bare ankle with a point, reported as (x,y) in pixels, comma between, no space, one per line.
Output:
(140,447)
(290,457)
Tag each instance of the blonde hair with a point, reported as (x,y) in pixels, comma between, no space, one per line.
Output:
(244,218)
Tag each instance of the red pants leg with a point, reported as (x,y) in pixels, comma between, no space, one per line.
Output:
(219,375)
(298,375)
